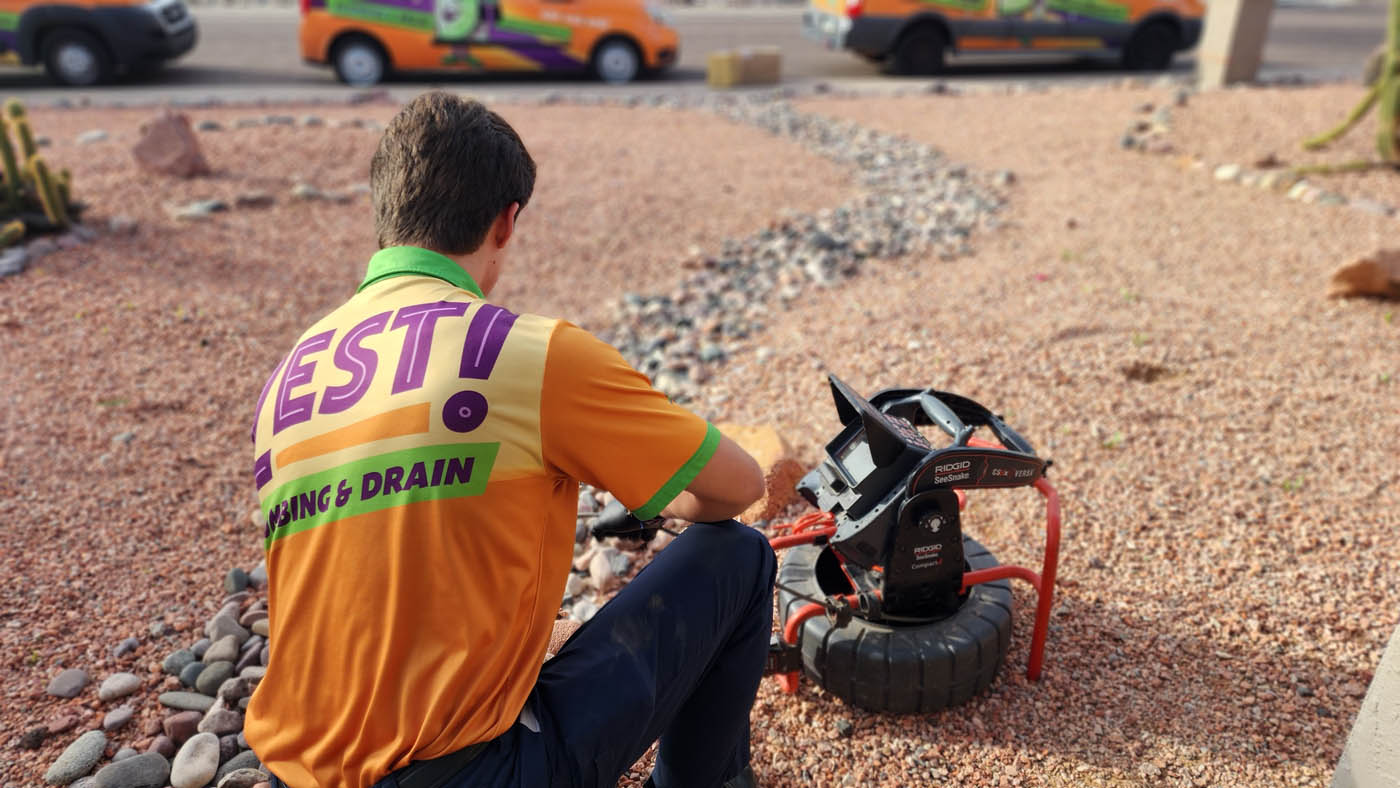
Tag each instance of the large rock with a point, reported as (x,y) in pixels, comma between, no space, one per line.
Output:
(242,778)
(243,760)
(78,759)
(1376,275)
(169,146)
(118,685)
(141,771)
(781,470)
(68,683)
(225,649)
(187,701)
(213,676)
(196,762)
(181,726)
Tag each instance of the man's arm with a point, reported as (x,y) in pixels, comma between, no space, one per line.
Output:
(728,484)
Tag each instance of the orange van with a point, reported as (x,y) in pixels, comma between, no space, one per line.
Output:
(364,40)
(84,42)
(912,36)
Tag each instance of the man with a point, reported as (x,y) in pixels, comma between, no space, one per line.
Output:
(418,456)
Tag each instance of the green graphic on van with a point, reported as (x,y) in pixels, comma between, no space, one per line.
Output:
(1104,10)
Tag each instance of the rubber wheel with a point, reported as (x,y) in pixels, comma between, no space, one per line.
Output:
(1151,47)
(77,58)
(919,52)
(359,62)
(917,668)
(1372,72)
(616,62)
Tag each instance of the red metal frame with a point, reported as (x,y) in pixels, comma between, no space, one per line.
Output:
(809,527)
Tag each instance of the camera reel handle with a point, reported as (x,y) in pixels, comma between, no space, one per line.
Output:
(944,418)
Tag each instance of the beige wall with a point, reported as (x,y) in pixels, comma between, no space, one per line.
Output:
(1372,756)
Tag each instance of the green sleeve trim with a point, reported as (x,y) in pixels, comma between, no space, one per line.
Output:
(683,477)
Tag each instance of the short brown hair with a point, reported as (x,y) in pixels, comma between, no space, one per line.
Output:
(445,168)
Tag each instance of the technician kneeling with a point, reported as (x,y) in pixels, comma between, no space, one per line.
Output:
(418,455)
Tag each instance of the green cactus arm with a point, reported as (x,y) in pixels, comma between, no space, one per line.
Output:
(47,189)
(12,175)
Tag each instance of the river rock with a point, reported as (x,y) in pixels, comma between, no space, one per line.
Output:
(221,722)
(187,701)
(236,580)
(242,778)
(117,718)
(223,624)
(78,759)
(225,649)
(190,672)
(163,745)
(234,689)
(140,771)
(68,683)
(213,675)
(243,760)
(254,672)
(258,577)
(169,146)
(125,647)
(179,727)
(118,685)
(600,568)
(196,762)
(1376,275)
(90,137)
(249,659)
(228,747)
(124,753)
(176,661)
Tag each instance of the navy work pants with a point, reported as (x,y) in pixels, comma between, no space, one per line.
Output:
(677,655)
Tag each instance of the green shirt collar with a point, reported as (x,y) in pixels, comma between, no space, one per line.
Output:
(415,261)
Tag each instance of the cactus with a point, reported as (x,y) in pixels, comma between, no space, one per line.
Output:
(46,189)
(11,233)
(12,177)
(64,181)
(27,145)
(1385,94)
(14,108)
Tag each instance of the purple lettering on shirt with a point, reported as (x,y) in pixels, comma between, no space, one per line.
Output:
(459,471)
(369,486)
(485,336)
(418,341)
(306,502)
(360,362)
(262,398)
(417,476)
(393,479)
(262,469)
(291,410)
(437,472)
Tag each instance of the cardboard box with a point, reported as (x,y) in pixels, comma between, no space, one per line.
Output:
(746,66)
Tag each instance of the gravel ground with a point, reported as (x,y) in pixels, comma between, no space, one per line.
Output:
(1249,125)
(1229,573)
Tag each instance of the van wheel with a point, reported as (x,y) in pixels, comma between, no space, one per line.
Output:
(919,52)
(616,62)
(1151,47)
(359,62)
(75,57)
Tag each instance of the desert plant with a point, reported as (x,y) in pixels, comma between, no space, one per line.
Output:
(11,233)
(1384,93)
(33,197)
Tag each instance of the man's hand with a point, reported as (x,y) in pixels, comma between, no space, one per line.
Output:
(728,484)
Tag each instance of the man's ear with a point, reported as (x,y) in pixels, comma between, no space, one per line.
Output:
(504,226)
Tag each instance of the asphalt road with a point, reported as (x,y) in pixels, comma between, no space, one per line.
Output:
(251,54)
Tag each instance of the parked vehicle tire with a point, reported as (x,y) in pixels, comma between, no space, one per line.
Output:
(1152,47)
(617,61)
(359,61)
(75,57)
(919,52)
(916,668)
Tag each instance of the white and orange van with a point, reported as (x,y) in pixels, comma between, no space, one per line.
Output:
(912,36)
(363,40)
(85,42)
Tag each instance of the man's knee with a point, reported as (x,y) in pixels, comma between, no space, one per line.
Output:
(741,549)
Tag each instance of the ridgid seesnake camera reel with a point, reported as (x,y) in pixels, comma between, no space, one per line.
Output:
(882,600)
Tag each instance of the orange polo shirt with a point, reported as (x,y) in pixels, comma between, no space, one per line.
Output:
(418,456)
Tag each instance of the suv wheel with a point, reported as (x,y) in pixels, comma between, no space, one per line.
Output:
(1151,48)
(359,62)
(75,57)
(617,62)
(919,52)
